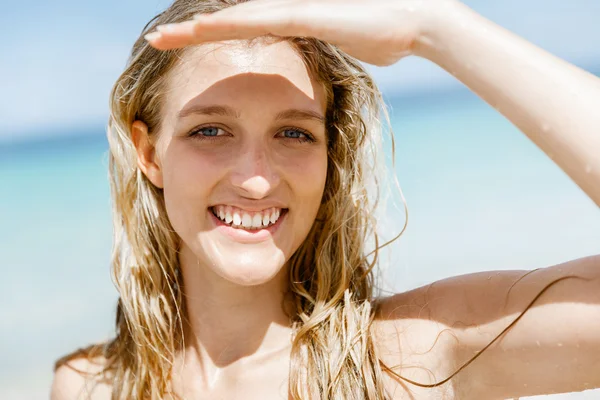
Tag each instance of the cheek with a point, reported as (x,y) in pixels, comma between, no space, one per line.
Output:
(188,178)
(314,176)
(306,173)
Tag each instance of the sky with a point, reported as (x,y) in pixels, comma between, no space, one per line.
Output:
(62,57)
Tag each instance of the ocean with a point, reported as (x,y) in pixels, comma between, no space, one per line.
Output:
(481,197)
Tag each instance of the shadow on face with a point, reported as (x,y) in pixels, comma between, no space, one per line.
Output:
(242,158)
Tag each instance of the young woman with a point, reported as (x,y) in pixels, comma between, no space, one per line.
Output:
(242,143)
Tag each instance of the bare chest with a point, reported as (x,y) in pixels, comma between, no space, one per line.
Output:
(278,389)
(271,380)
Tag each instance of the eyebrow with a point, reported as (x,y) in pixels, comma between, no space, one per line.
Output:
(225,111)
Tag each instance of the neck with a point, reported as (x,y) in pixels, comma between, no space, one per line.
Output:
(227,322)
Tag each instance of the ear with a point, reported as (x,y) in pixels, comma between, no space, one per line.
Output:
(146,153)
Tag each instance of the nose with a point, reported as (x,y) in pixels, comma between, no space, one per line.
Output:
(254,174)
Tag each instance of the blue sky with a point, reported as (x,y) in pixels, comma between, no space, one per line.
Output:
(62,57)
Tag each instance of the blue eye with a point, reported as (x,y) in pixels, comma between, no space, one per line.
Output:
(214,132)
(293,133)
(297,134)
(208,131)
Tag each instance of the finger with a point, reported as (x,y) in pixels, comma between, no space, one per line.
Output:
(276,17)
(171,36)
(180,34)
(259,17)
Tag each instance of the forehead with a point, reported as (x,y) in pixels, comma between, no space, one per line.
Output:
(237,72)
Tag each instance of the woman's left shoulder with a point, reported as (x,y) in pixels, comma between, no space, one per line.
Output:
(444,326)
(414,338)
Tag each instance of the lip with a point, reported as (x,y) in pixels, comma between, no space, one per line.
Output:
(247,236)
(253,207)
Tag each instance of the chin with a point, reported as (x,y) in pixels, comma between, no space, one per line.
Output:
(248,267)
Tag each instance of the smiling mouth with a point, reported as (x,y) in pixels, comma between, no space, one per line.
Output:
(248,220)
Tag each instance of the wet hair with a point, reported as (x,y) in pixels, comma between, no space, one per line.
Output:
(331,275)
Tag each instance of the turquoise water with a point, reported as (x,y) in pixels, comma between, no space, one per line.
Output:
(480,196)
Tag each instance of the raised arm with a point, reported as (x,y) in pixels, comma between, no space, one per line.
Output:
(547,325)
(555,104)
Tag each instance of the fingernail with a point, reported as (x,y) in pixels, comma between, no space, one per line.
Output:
(152,36)
(166,28)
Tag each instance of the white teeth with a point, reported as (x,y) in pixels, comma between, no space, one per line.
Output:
(237,220)
(246,221)
(259,220)
(274,217)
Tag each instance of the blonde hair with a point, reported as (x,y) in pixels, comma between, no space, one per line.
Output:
(332,274)
(333,353)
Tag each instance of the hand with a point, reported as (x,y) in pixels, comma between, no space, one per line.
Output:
(378,32)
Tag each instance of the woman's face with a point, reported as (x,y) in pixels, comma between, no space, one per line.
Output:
(243,157)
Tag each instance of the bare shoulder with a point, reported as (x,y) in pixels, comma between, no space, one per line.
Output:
(81,378)
(414,338)
(439,328)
